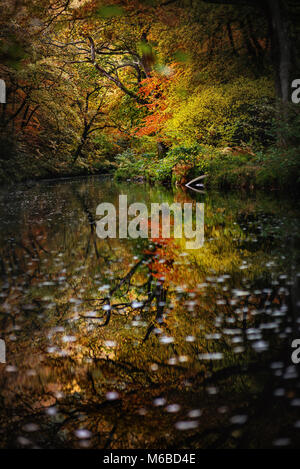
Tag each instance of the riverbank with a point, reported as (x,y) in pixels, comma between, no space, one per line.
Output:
(18,166)
(228,168)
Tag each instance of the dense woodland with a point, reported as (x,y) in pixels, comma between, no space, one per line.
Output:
(126,343)
(154,89)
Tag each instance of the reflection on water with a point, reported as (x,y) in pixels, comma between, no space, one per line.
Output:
(138,344)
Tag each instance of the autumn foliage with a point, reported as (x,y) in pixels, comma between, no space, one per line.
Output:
(154,91)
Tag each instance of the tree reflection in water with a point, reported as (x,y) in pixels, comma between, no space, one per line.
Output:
(137,343)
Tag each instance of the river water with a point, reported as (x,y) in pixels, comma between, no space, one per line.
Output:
(140,343)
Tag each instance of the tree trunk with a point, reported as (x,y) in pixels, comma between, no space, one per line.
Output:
(81,144)
(281,48)
(161,149)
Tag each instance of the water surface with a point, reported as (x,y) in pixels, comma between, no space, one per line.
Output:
(140,343)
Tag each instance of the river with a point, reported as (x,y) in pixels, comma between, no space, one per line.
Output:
(141,343)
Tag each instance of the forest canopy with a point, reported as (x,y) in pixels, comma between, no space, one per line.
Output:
(91,85)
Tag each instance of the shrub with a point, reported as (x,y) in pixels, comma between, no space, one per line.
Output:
(132,165)
(227,114)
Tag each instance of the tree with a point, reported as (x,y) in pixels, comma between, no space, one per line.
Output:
(91,115)
(277,16)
